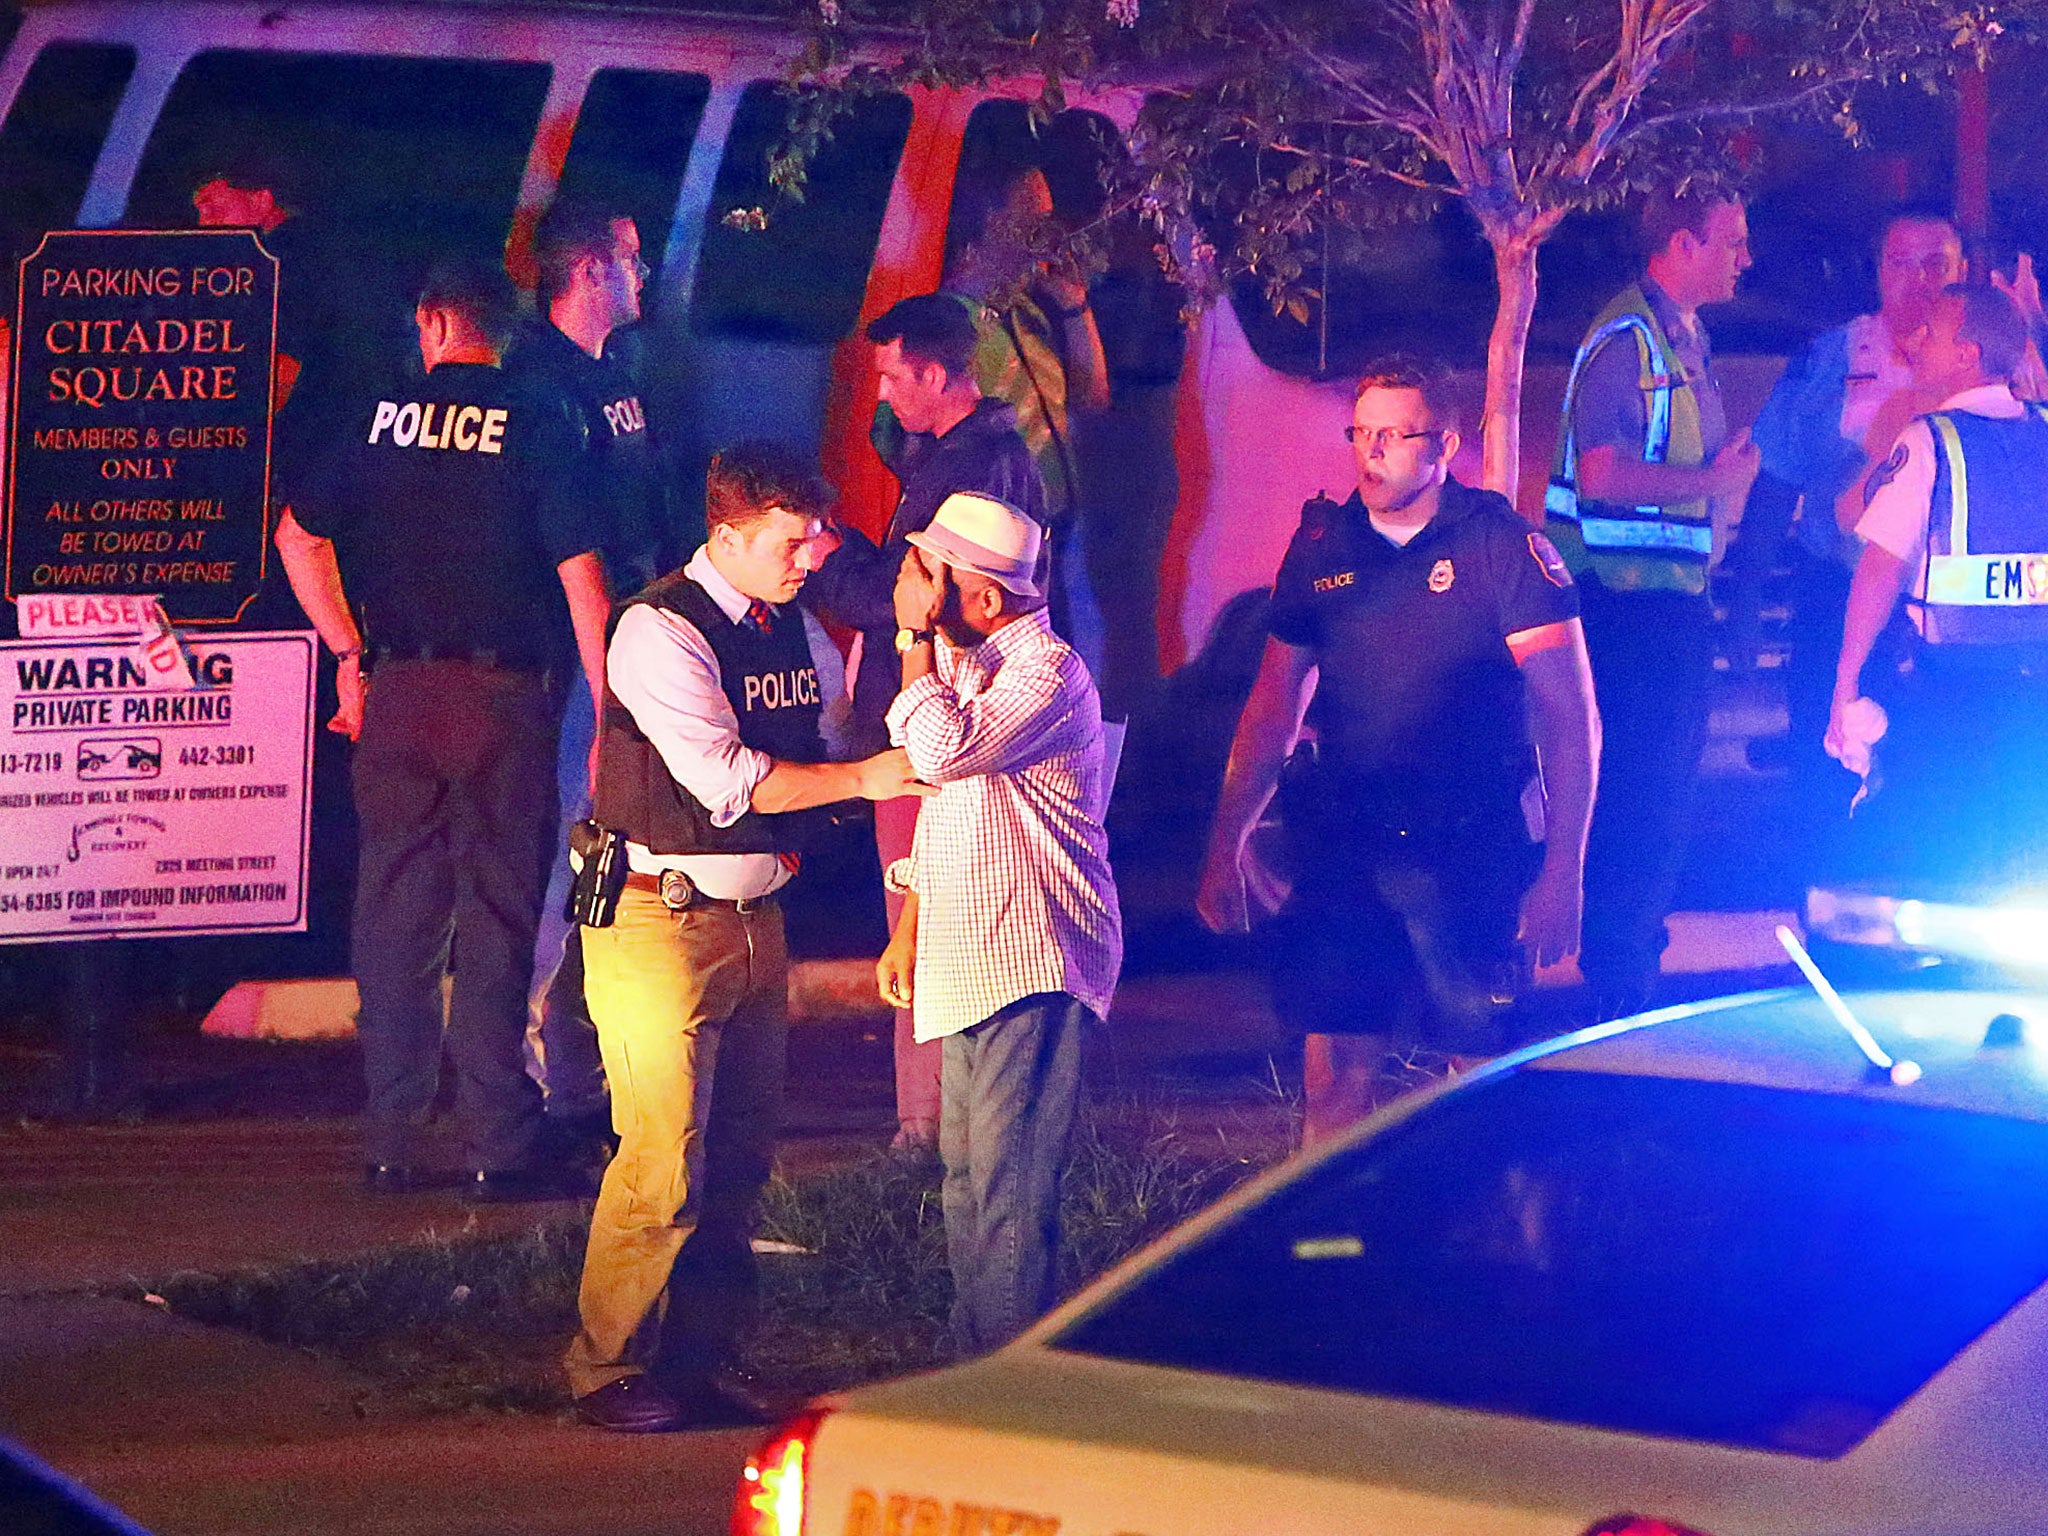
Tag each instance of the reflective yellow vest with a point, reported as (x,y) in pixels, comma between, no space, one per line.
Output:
(1635,548)
(1987,530)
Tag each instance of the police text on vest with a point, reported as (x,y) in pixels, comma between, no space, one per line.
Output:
(624,416)
(782,690)
(468,428)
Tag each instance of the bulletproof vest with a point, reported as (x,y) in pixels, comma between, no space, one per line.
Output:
(1987,531)
(772,683)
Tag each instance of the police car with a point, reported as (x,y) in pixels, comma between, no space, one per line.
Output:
(1707,1270)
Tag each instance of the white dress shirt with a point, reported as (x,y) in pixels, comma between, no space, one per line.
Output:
(667,676)
(1877,371)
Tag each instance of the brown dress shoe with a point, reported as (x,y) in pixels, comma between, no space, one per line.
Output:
(632,1405)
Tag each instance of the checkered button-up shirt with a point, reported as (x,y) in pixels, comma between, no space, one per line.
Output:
(1011,864)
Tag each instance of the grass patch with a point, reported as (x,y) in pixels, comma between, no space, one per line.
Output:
(480,1323)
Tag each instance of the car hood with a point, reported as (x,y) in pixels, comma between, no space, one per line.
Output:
(1035,1441)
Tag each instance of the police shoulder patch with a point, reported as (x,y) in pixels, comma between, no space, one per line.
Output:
(1885,473)
(1549,561)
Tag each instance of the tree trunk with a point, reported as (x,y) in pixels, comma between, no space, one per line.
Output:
(1514,267)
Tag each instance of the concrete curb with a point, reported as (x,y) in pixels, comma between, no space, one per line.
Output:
(324,1007)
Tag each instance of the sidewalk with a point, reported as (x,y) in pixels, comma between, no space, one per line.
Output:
(198,1431)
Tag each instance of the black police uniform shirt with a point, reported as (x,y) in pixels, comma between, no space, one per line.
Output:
(445,525)
(1418,696)
(613,467)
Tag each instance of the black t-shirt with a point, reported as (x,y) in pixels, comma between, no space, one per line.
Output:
(1418,693)
(445,520)
(615,472)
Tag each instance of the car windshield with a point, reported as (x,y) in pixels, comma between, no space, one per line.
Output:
(1704,1261)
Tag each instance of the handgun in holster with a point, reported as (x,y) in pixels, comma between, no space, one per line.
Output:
(599,854)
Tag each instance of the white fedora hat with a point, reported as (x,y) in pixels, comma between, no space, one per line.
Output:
(986,536)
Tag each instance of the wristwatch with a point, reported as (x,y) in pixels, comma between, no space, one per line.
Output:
(906,638)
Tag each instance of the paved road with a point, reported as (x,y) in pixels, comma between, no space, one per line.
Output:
(198,1431)
(258,1441)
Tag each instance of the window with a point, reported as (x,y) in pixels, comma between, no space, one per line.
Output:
(390,163)
(1704,1261)
(1137,310)
(802,277)
(52,137)
(632,142)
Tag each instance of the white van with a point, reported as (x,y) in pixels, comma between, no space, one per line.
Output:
(418,125)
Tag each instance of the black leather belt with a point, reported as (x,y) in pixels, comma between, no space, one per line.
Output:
(679,893)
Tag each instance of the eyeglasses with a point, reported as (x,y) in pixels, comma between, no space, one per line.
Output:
(1383,437)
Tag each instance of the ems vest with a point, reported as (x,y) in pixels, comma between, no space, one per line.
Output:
(1635,548)
(772,683)
(1987,530)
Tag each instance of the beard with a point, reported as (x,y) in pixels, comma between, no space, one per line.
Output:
(952,619)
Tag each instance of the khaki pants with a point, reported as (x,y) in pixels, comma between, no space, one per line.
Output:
(692,1014)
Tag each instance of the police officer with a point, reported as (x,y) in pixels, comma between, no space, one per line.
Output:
(1834,412)
(1956,515)
(1644,456)
(1438,635)
(715,739)
(591,281)
(430,556)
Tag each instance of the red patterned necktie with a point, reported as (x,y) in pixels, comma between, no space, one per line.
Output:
(762,618)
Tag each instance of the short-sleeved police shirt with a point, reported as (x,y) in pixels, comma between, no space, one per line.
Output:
(443,522)
(1418,691)
(614,471)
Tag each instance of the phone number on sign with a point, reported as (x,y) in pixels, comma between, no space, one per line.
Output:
(215,757)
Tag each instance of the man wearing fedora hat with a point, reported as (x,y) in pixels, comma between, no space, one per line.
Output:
(1010,937)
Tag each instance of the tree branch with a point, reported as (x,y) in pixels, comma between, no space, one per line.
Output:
(1648,30)
(1370,168)
(1709,111)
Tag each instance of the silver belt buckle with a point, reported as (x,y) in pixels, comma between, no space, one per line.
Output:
(678,891)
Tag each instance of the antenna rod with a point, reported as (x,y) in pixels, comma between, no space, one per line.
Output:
(1900,1072)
